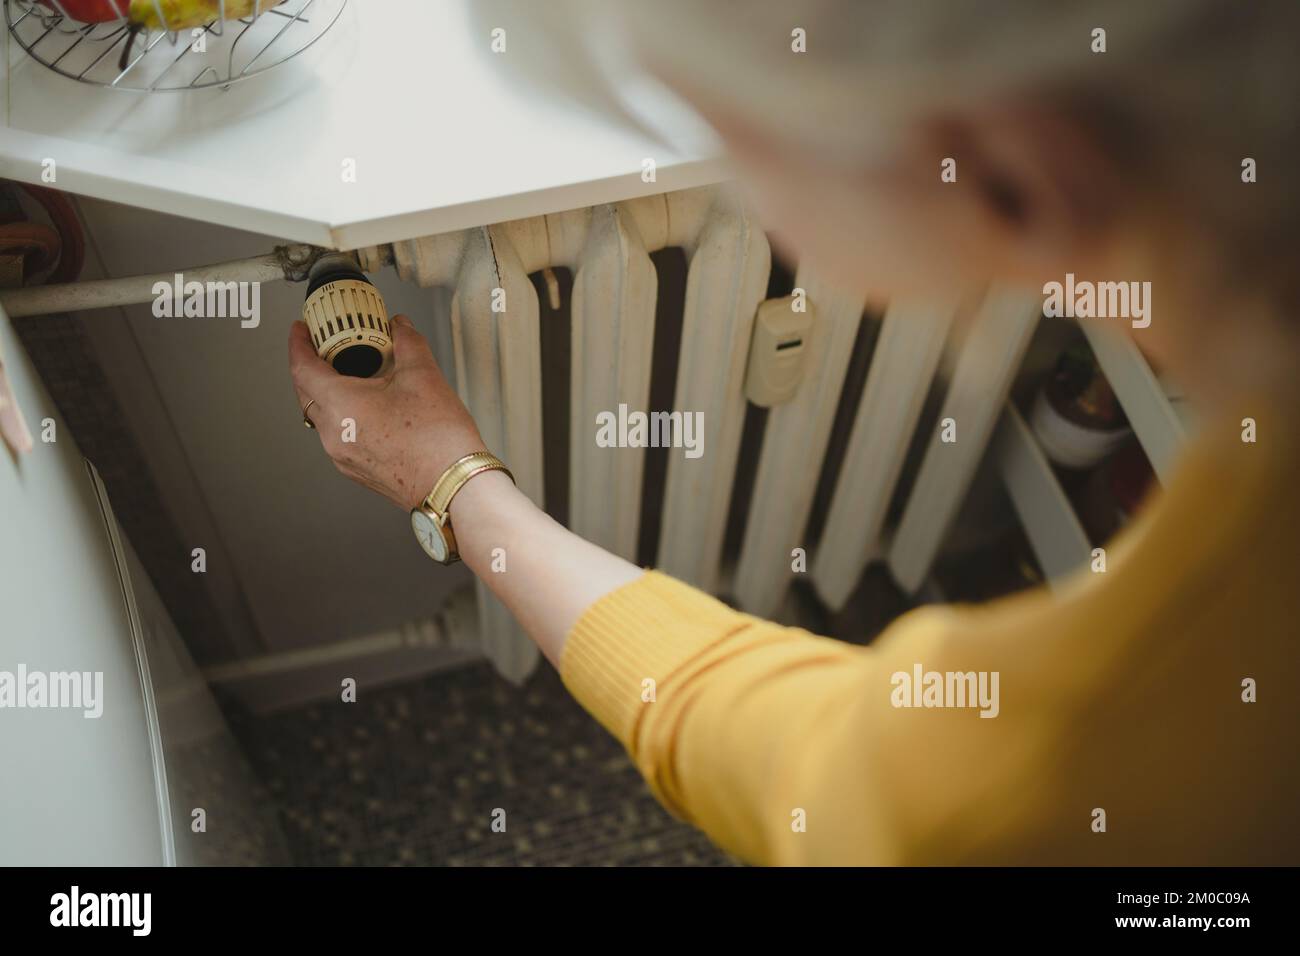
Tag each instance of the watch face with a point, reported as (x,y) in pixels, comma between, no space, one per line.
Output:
(429,535)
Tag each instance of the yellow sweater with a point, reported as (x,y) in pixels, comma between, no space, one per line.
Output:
(1122,694)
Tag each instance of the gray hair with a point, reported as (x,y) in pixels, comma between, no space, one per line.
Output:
(1184,92)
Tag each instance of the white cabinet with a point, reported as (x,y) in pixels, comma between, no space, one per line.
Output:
(399,122)
(104,768)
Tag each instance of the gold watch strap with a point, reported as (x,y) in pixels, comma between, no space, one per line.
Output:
(458,472)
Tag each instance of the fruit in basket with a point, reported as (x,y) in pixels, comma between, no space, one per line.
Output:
(90,11)
(184,14)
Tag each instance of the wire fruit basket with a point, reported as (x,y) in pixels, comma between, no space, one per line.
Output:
(124,53)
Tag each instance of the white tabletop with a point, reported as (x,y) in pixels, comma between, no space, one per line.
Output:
(443,138)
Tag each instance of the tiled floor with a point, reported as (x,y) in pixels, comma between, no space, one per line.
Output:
(412,774)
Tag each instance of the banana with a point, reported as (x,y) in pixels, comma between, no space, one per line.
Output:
(184,14)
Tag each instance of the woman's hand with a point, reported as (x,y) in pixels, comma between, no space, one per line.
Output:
(409,424)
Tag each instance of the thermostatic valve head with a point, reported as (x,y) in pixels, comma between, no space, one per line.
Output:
(346,317)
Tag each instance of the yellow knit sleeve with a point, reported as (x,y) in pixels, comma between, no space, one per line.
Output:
(1115,691)
(782,746)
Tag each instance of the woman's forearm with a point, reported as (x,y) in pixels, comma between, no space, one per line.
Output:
(546,575)
(409,427)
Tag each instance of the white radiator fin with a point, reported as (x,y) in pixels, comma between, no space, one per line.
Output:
(729,266)
(903,364)
(613,324)
(986,367)
(499,374)
(794,446)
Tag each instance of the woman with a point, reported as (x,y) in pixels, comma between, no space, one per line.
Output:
(1145,713)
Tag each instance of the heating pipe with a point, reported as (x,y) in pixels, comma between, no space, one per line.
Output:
(290,262)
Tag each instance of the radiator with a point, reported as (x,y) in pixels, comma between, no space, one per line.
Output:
(495,362)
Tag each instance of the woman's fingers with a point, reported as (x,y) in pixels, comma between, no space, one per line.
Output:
(303,398)
(409,346)
(311,375)
(310,408)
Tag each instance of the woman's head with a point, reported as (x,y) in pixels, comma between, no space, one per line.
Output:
(1114,155)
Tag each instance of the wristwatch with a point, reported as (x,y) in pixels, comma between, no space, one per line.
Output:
(431,518)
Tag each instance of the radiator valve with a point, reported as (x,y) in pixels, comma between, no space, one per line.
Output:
(346,317)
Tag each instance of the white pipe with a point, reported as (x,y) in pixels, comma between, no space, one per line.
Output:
(286,262)
(452,630)
(420,634)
